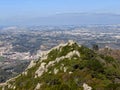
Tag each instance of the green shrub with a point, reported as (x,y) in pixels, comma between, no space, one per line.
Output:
(113,86)
(95,65)
(64,87)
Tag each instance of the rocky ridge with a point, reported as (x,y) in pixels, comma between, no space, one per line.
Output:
(68,66)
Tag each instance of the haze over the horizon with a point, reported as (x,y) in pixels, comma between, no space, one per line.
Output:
(20,12)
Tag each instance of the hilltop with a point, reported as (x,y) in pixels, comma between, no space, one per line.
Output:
(68,66)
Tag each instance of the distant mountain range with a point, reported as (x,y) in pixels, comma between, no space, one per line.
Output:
(67,19)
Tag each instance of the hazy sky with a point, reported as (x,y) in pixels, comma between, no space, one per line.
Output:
(22,9)
(33,8)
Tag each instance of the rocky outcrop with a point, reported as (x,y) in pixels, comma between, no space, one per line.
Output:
(86,87)
(44,68)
